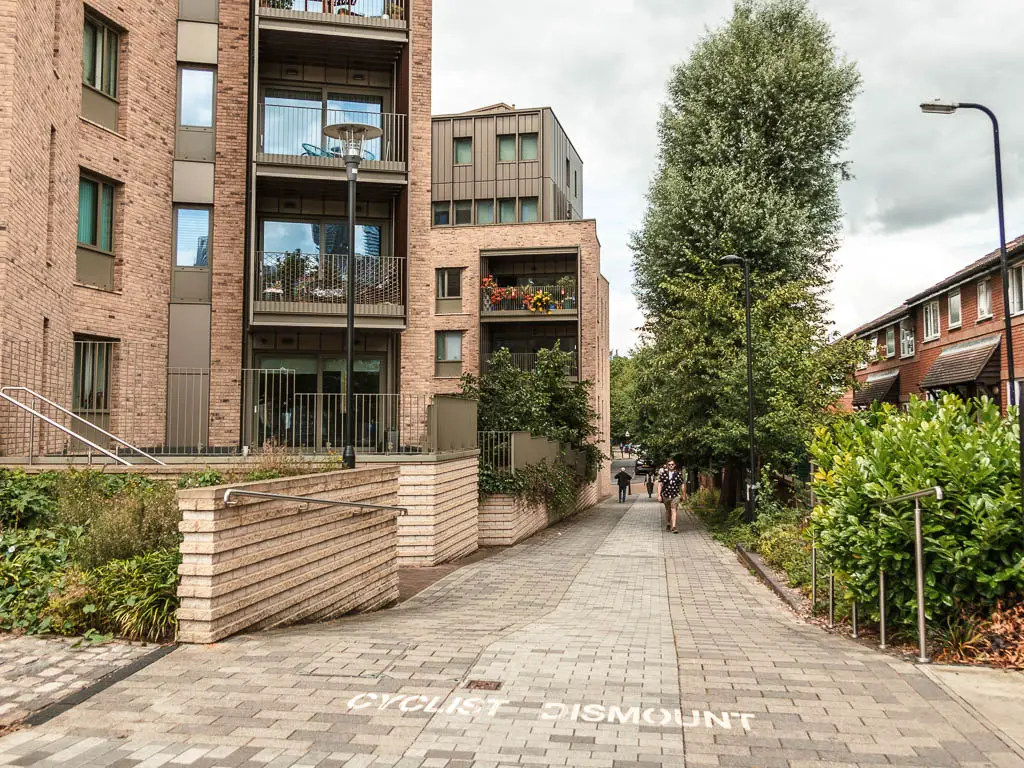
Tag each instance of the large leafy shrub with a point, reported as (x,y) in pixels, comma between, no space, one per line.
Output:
(973,538)
(25,500)
(32,565)
(140,596)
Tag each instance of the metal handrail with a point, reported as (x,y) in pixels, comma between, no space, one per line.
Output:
(306,500)
(62,409)
(63,429)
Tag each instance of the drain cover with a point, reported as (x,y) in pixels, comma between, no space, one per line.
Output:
(484,685)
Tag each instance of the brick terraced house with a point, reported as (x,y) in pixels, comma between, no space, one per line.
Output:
(173,239)
(947,338)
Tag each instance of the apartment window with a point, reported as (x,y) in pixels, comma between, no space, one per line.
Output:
(1016,290)
(195,97)
(484,211)
(528,209)
(463,151)
(984,299)
(449,283)
(890,342)
(442,214)
(99,56)
(528,146)
(931,320)
(953,302)
(506,211)
(463,211)
(91,385)
(448,356)
(507,148)
(192,237)
(95,214)
(906,338)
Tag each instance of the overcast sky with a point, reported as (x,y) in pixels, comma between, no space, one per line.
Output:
(923,201)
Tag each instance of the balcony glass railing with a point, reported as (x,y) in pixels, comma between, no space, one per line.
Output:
(344,10)
(298,131)
(318,283)
(536,299)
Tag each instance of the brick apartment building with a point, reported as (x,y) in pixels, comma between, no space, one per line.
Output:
(946,338)
(173,236)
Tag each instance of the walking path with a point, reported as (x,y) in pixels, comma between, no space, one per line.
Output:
(615,645)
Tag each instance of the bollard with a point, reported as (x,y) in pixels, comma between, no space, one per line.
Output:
(831,598)
(814,578)
(922,639)
(853,617)
(881,608)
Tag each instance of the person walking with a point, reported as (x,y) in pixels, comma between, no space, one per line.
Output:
(650,484)
(625,481)
(670,484)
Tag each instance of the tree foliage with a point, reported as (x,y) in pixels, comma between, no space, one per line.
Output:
(751,137)
(622,397)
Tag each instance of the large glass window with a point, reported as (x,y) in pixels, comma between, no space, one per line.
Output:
(890,342)
(99,56)
(292,122)
(1016,290)
(91,386)
(907,338)
(356,108)
(463,151)
(449,283)
(507,148)
(95,214)
(984,300)
(931,320)
(484,211)
(506,211)
(449,346)
(528,146)
(463,211)
(528,209)
(954,309)
(192,237)
(196,95)
(442,214)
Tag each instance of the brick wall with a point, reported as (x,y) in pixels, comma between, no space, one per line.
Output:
(266,563)
(506,520)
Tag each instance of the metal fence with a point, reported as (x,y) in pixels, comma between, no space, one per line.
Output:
(299,132)
(302,282)
(527,361)
(496,451)
(379,9)
(540,299)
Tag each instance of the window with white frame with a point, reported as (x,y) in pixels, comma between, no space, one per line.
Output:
(1016,290)
(953,302)
(890,342)
(984,299)
(906,338)
(931,321)
(873,349)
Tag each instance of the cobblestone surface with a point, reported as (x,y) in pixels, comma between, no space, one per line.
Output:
(37,671)
(615,644)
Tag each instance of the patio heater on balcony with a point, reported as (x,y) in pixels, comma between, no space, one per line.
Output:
(353,137)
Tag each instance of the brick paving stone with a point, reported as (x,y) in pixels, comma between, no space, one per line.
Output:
(614,643)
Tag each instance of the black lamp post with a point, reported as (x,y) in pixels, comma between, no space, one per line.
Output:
(939,107)
(352,137)
(752,484)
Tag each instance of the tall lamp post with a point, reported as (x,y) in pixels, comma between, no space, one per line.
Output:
(752,485)
(352,136)
(939,107)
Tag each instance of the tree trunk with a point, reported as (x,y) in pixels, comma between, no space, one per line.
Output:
(732,476)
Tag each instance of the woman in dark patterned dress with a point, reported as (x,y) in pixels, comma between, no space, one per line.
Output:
(670,484)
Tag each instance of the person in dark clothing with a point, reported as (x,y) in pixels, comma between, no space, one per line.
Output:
(650,484)
(670,485)
(625,481)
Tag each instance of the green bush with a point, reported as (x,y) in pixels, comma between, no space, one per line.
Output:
(493,482)
(32,564)
(204,478)
(973,538)
(26,500)
(554,485)
(139,596)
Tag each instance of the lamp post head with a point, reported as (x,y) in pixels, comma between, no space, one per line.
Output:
(732,260)
(939,107)
(353,136)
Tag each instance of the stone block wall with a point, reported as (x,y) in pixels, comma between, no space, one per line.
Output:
(506,520)
(263,563)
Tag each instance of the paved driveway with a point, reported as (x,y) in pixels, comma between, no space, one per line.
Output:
(614,643)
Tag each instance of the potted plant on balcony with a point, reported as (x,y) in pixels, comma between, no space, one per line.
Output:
(493,292)
(540,302)
(394,11)
(567,292)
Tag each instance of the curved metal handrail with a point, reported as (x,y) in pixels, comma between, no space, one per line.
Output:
(306,500)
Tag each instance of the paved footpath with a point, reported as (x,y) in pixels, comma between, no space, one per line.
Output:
(615,644)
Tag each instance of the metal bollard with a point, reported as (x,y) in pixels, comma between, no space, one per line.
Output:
(881,608)
(853,617)
(831,599)
(814,578)
(919,553)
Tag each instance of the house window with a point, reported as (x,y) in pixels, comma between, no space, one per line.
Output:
(463,211)
(463,151)
(906,338)
(507,148)
(195,96)
(95,214)
(890,342)
(931,320)
(442,214)
(873,349)
(528,146)
(99,56)
(954,310)
(192,237)
(506,211)
(91,386)
(528,209)
(1016,290)
(449,283)
(484,211)
(984,299)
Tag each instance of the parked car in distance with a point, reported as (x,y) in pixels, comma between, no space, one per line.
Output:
(644,465)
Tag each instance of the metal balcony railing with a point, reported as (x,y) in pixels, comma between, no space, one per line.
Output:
(298,132)
(527,361)
(537,299)
(293,281)
(344,10)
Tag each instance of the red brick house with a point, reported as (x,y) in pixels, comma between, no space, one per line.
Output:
(947,338)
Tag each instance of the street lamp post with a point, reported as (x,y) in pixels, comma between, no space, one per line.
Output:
(939,107)
(752,484)
(352,137)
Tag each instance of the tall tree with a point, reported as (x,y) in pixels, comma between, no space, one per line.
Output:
(751,137)
(622,396)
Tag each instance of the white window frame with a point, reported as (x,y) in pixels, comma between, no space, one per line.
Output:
(1016,290)
(890,342)
(907,340)
(932,320)
(873,349)
(959,310)
(984,289)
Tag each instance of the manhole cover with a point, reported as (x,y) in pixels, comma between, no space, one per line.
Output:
(484,685)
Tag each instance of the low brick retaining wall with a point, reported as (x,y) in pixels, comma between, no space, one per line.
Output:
(443,504)
(506,520)
(265,563)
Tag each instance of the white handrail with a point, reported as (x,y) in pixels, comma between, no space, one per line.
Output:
(62,409)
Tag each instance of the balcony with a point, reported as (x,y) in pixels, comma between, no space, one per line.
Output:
(294,136)
(558,299)
(373,14)
(294,288)
(527,361)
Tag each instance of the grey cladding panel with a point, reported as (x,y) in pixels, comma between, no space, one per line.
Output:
(189,338)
